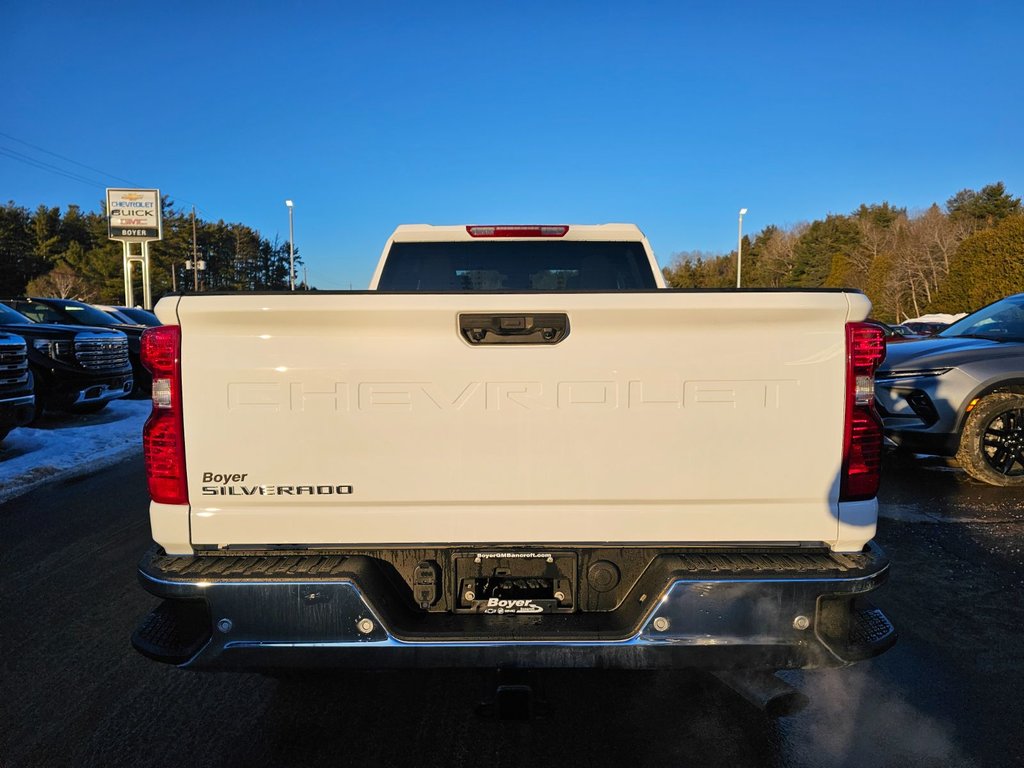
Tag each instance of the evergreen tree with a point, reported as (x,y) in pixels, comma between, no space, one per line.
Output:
(987,266)
(19,261)
(692,269)
(880,215)
(46,234)
(814,251)
(985,208)
(843,273)
(74,228)
(772,257)
(885,304)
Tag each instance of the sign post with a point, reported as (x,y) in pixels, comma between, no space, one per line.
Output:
(133,216)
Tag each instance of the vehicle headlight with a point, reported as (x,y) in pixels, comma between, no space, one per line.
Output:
(911,374)
(54,348)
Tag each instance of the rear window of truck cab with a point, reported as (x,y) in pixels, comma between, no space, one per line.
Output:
(523,265)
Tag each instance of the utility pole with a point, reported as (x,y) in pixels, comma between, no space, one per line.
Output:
(305,278)
(174,277)
(195,252)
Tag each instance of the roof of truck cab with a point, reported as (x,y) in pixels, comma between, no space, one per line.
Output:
(419,233)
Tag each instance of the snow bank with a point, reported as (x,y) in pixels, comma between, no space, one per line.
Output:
(60,446)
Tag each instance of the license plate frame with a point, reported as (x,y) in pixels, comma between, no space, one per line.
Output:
(514,582)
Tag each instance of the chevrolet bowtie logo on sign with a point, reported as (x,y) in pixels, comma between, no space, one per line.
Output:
(133,215)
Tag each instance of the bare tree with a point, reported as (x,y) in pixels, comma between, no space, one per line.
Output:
(776,255)
(942,235)
(61,282)
(875,238)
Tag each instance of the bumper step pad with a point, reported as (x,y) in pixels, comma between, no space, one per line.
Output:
(174,631)
(871,632)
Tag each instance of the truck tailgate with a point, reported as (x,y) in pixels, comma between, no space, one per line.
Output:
(367,418)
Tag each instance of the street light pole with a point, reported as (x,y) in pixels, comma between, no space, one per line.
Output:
(739,249)
(291,244)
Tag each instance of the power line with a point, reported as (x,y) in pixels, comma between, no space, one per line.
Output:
(44,166)
(13,155)
(69,160)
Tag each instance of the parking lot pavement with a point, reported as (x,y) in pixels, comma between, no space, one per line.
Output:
(933,491)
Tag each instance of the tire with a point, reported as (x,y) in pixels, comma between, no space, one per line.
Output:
(992,441)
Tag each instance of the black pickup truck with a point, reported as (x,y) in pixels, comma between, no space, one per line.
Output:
(77,368)
(71,312)
(17,401)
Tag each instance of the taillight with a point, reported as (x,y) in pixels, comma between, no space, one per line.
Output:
(163,438)
(862,432)
(518,230)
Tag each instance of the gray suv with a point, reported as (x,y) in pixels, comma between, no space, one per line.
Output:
(961,393)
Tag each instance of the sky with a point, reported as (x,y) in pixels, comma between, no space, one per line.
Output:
(670,115)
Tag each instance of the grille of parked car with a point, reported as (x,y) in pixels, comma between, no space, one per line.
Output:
(99,354)
(13,366)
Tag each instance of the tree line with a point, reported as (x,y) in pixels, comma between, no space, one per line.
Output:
(49,252)
(951,259)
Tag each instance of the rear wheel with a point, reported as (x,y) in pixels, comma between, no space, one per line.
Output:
(992,440)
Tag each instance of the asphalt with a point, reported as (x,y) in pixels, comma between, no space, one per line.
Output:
(73,692)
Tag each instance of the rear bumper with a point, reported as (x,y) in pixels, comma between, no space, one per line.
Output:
(717,611)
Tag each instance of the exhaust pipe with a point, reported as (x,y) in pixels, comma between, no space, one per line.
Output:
(766,691)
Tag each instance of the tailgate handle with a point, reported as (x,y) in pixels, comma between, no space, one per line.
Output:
(514,328)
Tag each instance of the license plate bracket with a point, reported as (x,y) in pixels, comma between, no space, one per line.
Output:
(514,582)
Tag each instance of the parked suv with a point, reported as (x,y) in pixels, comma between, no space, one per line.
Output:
(961,393)
(70,312)
(17,401)
(75,368)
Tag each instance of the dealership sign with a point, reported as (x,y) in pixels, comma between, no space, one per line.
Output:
(133,215)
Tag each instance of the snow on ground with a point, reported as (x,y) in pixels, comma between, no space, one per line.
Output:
(60,446)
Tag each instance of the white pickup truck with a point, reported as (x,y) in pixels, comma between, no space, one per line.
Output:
(516,449)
